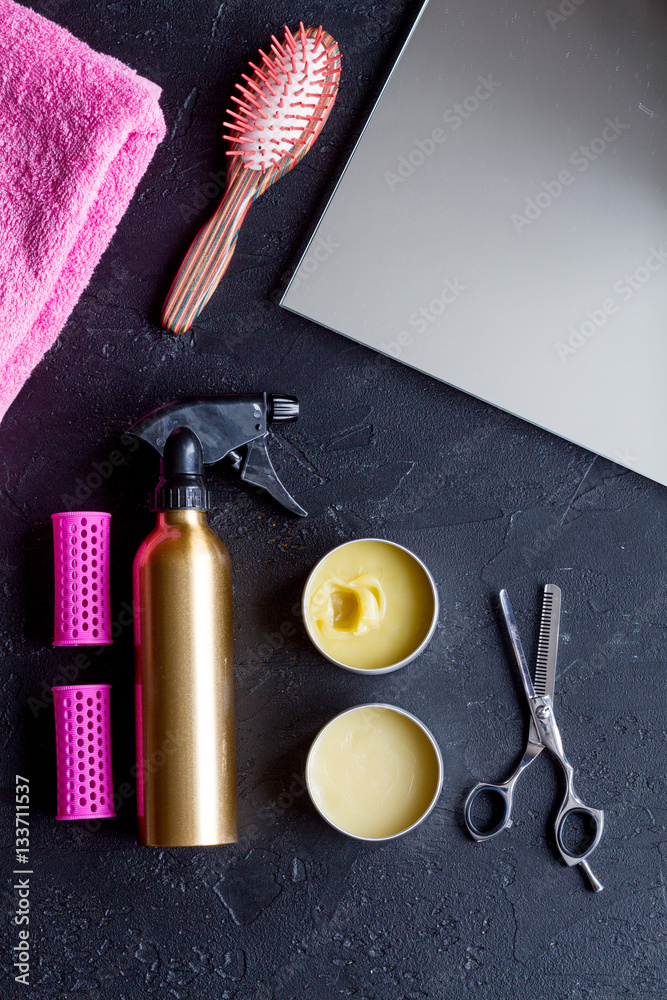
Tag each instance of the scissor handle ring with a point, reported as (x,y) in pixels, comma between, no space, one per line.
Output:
(578,808)
(504,793)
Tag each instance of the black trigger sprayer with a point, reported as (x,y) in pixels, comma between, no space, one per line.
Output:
(184,683)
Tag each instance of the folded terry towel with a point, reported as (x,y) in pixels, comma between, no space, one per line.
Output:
(77,131)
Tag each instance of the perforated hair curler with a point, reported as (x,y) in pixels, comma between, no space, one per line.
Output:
(81,554)
(83,751)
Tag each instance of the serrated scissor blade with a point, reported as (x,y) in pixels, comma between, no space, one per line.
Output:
(547,644)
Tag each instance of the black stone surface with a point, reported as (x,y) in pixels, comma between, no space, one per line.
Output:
(296,910)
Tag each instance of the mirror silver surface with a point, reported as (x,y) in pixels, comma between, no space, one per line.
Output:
(502,222)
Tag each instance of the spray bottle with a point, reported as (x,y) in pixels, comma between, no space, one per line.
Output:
(184,683)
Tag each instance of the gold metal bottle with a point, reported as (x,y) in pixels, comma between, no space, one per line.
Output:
(184,684)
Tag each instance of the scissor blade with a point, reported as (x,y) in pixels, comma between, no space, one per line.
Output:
(516,645)
(547,644)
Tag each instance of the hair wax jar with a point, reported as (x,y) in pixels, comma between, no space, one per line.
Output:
(374,772)
(370,606)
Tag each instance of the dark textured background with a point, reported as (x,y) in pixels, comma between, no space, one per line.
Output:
(295,909)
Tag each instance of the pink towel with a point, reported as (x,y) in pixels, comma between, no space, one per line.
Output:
(77,131)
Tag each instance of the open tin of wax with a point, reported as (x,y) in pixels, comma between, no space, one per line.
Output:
(370,606)
(374,772)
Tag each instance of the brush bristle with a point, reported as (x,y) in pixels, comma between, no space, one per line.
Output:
(277,107)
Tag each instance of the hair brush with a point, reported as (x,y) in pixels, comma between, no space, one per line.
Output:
(280,111)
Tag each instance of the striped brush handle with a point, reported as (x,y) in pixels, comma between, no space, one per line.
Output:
(208,258)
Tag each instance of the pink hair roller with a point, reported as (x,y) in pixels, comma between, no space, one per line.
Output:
(83,751)
(81,552)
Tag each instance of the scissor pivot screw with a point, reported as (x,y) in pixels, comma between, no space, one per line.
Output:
(543,713)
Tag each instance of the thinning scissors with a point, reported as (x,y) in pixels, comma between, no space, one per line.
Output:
(543,733)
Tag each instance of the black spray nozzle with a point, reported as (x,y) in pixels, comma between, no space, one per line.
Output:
(282,408)
(211,428)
